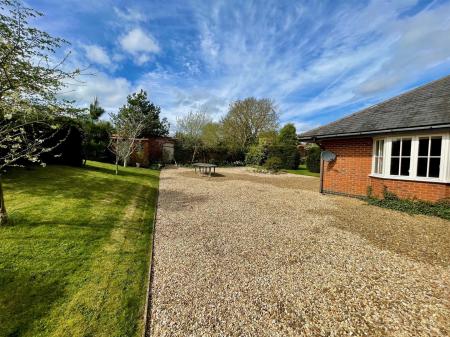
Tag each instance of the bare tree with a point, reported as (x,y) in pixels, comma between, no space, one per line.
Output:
(190,129)
(30,80)
(128,125)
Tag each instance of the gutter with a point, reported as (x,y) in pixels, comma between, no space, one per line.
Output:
(362,133)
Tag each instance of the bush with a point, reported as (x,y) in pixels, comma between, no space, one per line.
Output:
(256,155)
(219,155)
(182,153)
(313,160)
(288,154)
(273,164)
(96,141)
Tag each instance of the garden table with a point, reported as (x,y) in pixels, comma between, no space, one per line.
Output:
(206,168)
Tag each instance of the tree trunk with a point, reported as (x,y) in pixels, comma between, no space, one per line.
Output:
(3,214)
(117,165)
(193,155)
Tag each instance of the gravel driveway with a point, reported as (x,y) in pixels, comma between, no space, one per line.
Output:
(246,254)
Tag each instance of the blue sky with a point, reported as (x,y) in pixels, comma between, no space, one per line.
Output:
(317,60)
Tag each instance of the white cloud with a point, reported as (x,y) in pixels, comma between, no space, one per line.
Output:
(111,91)
(140,44)
(136,41)
(143,58)
(97,55)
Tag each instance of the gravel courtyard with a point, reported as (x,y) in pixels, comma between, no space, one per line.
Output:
(246,254)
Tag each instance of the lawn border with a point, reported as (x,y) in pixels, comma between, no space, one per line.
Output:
(148,297)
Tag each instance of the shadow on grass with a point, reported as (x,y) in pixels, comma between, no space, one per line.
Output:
(72,192)
(23,297)
(60,216)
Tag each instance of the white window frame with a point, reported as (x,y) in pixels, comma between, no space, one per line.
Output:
(376,155)
(444,173)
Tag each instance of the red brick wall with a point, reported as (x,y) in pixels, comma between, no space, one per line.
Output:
(151,151)
(349,174)
(411,189)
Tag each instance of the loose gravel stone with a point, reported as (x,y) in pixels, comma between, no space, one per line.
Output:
(246,254)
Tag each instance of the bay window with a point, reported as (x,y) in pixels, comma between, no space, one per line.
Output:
(421,157)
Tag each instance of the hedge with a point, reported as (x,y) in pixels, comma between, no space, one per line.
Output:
(288,154)
(313,160)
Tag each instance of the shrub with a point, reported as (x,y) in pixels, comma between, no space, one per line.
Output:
(313,159)
(182,153)
(273,164)
(256,155)
(96,140)
(392,201)
(288,154)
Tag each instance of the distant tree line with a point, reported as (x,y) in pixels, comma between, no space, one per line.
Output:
(247,134)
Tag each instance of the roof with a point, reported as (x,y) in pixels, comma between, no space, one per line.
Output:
(425,107)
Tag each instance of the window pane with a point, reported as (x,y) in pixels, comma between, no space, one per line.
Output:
(380,165)
(436,146)
(381,147)
(422,167)
(406,147)
(376,164)
(434,167)
(394,166)
(404,168)
(423,147)
(395,148)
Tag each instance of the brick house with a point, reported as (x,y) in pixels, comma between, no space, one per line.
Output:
(402,145)
(152,150)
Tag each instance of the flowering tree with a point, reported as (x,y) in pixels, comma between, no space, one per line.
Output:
(128,125)
(30,80)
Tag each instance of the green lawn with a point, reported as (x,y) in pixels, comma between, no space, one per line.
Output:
(74,260)
(302,170)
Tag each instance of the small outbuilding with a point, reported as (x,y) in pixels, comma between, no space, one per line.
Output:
(401,145)
(153,150)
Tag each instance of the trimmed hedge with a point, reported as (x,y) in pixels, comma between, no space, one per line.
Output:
(220,155)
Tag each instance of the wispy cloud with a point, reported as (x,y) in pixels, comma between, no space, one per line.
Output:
(130,14)
(317,60)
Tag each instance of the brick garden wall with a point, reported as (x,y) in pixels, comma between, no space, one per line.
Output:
(349,174)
